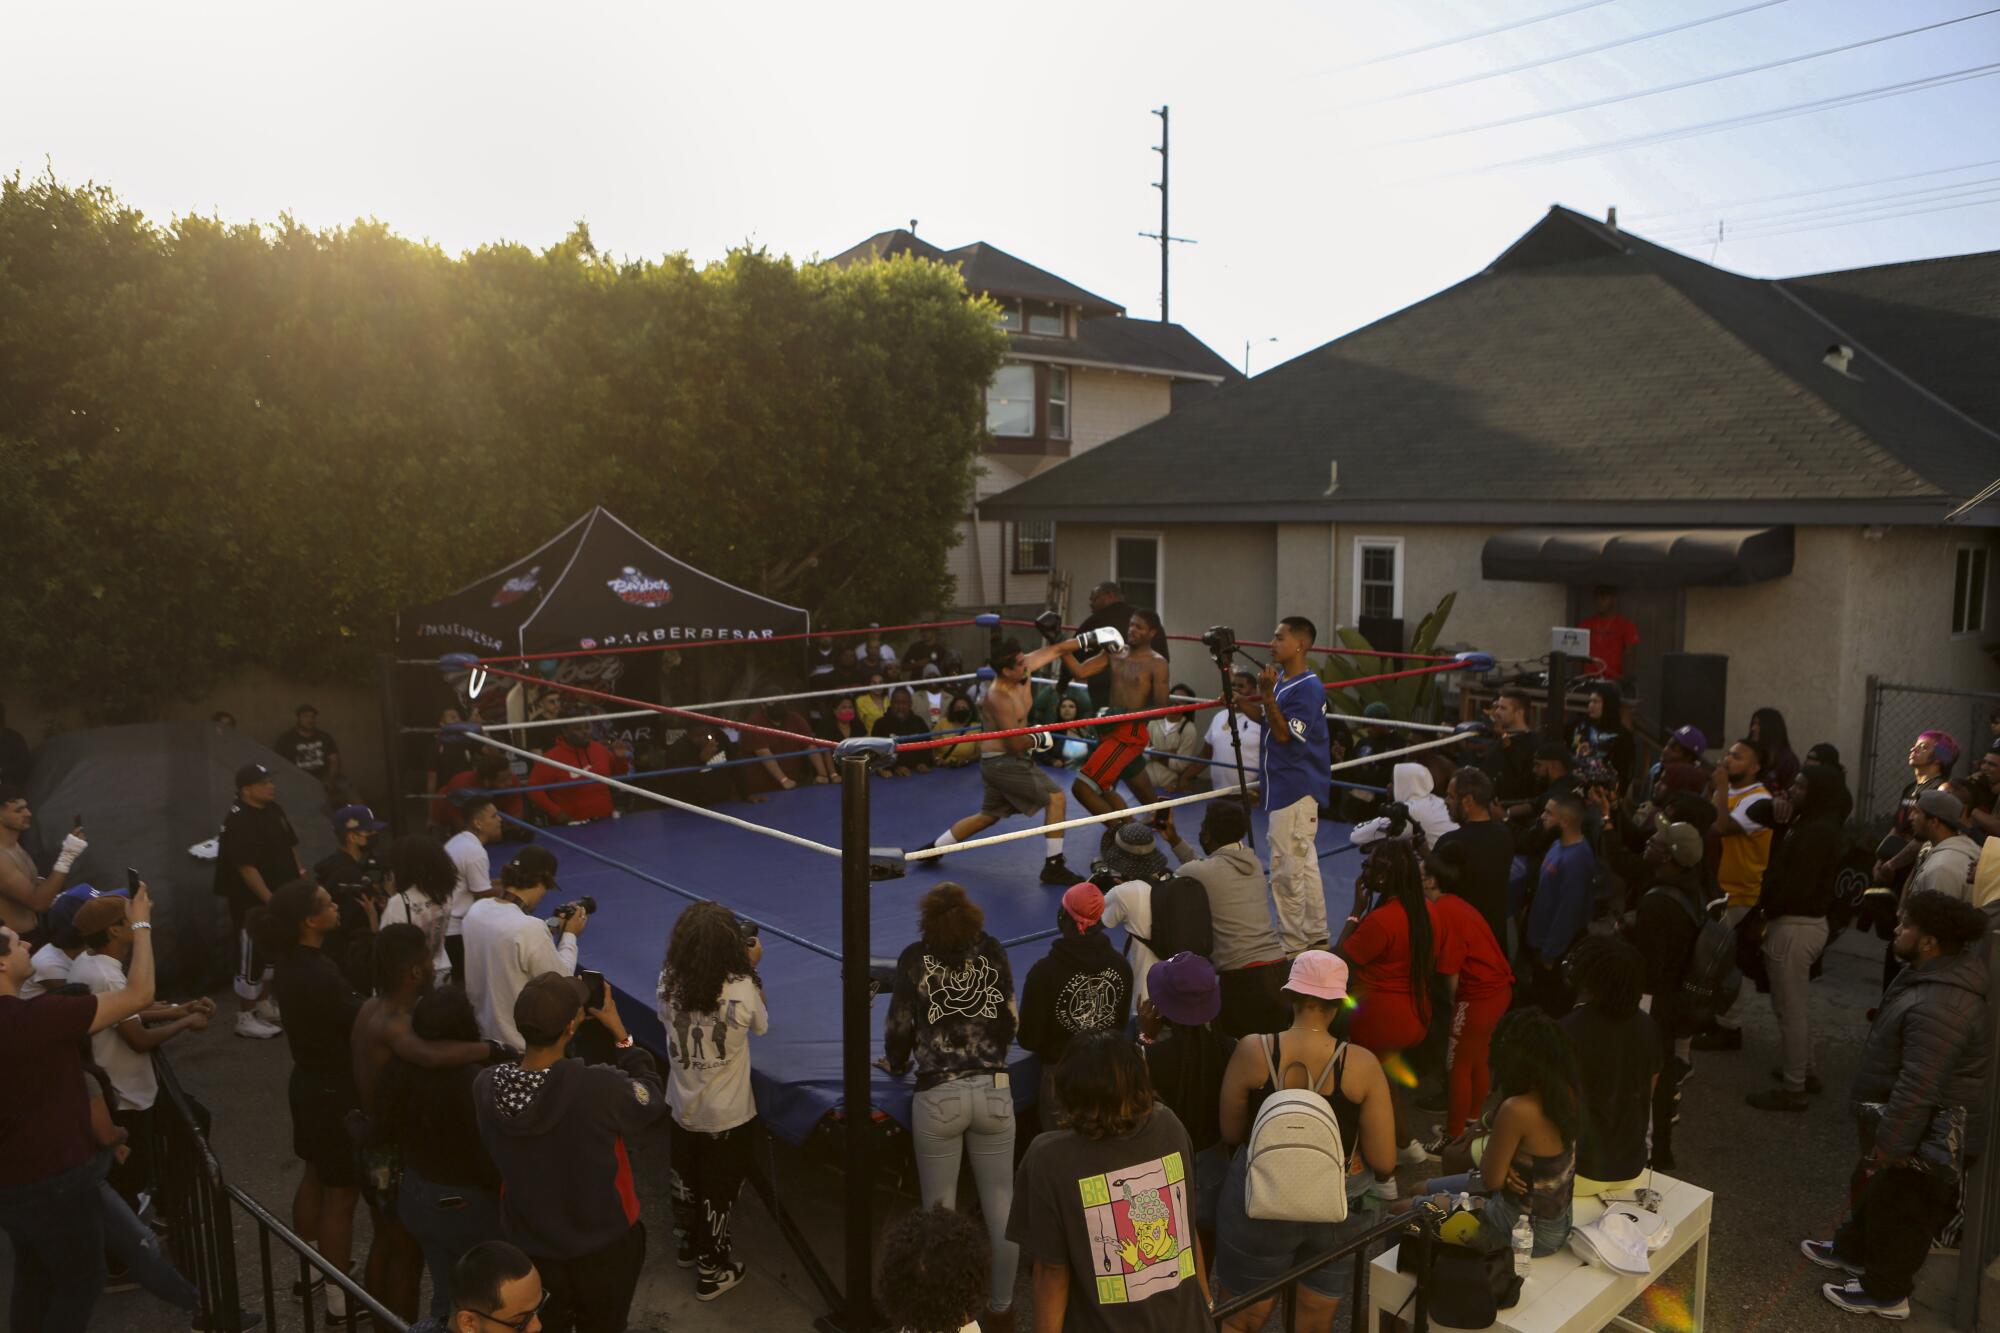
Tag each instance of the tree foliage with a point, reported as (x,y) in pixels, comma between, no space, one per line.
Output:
(1411,699)
(233,444)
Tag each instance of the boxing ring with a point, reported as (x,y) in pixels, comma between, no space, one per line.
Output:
(833,875)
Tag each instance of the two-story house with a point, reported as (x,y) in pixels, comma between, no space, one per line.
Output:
(1080,372)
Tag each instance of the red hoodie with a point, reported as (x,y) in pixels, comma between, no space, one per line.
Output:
(591,800)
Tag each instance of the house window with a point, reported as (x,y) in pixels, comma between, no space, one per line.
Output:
(1135,568)
(1058,402)
(1010,316)
(1010,401)
(1046,321)
(1034,546)
(1378,577)
(1968,591)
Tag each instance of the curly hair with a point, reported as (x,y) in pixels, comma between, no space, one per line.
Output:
(1104,1087)
(704,952)
(1609,974)
(933,1275)
(1530,1054)
(1952,922)
(951,922)
(422,864)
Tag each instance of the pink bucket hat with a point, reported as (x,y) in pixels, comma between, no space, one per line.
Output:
(1319,974)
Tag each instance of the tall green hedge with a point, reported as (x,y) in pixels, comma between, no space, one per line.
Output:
(232,444)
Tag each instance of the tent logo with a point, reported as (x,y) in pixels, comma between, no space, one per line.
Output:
(641,590)
(514,589)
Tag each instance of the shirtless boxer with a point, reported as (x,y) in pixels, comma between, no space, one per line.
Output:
(1015,783)
(1138,682)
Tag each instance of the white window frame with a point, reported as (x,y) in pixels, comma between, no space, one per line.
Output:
(1361,544)
(1029,433)
(1055,399)
(1159,540)
(1968,621)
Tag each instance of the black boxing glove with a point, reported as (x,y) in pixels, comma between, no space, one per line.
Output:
(1050,625)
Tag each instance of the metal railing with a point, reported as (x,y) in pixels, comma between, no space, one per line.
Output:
(1286,1285)
(196,1203)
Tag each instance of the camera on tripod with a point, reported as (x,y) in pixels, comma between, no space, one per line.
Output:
(1220,640)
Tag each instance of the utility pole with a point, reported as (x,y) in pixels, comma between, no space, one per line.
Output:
(1164,236)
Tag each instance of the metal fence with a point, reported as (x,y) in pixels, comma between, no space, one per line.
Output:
(1890,722)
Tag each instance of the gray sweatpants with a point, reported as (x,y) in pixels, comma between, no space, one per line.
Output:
(1790,945)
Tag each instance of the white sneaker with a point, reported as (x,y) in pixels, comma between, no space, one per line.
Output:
(1413,1154)
(249,1025)
(1385,1189)
(336,1301)
(267,1012)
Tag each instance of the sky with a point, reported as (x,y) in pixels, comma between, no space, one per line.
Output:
(804,129)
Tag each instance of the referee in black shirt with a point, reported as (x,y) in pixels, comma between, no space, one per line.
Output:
(258,851)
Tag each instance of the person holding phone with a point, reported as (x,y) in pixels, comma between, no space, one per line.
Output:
(24,895)
(711,1004)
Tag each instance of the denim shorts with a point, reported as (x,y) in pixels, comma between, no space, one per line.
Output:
(1251,1251)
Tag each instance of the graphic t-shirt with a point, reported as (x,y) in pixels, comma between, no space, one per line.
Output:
(1298,769)
(1119,1215)
(310,753)
(708,1058)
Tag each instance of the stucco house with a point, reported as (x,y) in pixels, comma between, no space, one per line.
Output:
(1776,470)
(1079,372)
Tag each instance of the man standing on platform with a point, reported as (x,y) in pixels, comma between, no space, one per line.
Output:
(1296,781)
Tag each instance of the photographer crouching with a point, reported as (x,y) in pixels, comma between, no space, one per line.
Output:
(507,946)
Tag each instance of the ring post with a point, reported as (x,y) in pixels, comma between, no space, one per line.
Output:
(853,756)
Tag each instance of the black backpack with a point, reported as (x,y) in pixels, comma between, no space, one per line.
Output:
(1712,979)
(1181,923)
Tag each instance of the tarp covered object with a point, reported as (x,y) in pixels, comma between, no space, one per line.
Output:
(596,584)
(148,793)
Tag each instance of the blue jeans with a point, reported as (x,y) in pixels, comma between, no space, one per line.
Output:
(971,1115)
(447,1220)
(57,1227)
(138,1247)
(1498,1214)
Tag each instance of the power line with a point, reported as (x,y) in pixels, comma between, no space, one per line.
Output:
(1892,199)
(1527,116)
(1472,36)
(1738,121)
(1566,55)
(1823,189)
(1848,222)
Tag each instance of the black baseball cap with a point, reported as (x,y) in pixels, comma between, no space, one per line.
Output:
(531,865)
(250,775)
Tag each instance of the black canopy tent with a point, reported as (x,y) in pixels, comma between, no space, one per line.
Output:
(596,584)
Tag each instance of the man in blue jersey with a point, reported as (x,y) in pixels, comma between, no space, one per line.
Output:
(1295,781)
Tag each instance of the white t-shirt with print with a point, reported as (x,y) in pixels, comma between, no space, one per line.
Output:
(1131,905)
(708,1058)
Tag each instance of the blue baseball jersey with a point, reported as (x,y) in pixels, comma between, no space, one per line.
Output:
(1298,769)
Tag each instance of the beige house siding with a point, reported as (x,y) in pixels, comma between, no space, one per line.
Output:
(1105,404)
(1211,573)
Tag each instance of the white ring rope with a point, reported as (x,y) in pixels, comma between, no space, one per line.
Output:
(1386,722)
(1407,749)
(706,813)
(887,688)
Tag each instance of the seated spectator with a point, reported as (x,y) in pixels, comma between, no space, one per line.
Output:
(902,723)
(701,771)
(786,762)
(711,1002)
(576,749)
(449,1194)
(1223,749)
(1529,1164)
(1427,816)
(1071,747)
(1082,985)
(494,1286)
(871,706)
(421,880)
(1250,1251)
(557,1129)
(923,650)
(931,1277)
(449,752)
(873,652)
(929,699)
(951,1018)
(1177,741)
(1248,957)
(1117,1132)
(1481,988)
(958,717)
(319,1008)
(1618,1056)
(1186,1054)
(490,772)
(49,1200)
(507,945)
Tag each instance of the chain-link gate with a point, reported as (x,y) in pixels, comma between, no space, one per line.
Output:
(1894,716)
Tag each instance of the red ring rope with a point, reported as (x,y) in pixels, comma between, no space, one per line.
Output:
(664,709)
(1059,726)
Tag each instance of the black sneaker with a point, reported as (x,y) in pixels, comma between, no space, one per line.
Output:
(1719,1039)
(1434,1146)
(1813,1086)
(714,1281)
(684,1251)
(1821,1253)
(1054,871)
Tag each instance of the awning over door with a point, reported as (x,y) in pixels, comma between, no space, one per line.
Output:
(1639,557)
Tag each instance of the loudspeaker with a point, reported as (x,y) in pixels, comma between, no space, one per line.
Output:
(1694,689)
(1383,632)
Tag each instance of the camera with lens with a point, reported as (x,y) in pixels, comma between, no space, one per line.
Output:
(1398,816)
(560,917)
(1220,640)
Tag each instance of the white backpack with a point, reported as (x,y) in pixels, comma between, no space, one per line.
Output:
(1296,1170)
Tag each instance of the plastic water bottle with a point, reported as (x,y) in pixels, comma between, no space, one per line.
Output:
(1524,1246)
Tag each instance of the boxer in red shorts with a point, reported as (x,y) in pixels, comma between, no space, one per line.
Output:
(1138,682)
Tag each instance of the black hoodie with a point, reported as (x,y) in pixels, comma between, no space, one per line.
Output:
(951,1013)
(558,1136)
(1082,985)
(1799,880)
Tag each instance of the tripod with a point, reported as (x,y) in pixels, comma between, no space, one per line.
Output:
(1221,644)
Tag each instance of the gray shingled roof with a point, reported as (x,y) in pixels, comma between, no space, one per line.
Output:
(1587,375)
(1145,344)
(986,268)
